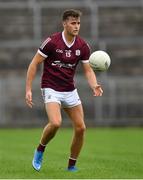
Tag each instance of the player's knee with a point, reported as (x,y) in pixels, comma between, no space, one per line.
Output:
(80,130)
(55,125)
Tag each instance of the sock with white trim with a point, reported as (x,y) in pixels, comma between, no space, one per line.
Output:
(41,147)
(71,162)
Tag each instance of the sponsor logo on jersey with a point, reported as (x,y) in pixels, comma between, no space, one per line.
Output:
(77,52)
(64,65)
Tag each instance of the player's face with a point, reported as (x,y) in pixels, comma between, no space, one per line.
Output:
(72,26)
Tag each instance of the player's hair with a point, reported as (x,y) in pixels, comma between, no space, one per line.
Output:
(71,13)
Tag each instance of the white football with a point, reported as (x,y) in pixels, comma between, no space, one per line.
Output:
(99,61)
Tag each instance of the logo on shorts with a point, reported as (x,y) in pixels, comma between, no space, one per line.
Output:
(49,97)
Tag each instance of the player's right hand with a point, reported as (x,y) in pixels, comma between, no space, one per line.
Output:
(28,99)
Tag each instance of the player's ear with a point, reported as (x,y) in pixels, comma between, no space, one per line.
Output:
(64,23)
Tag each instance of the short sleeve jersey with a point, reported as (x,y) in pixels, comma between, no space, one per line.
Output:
(61,61)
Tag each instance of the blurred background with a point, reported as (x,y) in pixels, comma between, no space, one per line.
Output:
(115,26)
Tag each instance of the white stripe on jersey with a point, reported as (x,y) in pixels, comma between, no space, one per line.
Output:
(45,42)
(42,54)
(85,61)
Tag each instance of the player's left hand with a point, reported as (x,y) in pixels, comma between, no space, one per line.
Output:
(97,90)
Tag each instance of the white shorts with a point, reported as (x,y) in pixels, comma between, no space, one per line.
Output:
(66,99)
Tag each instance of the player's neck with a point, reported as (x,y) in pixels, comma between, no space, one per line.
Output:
(69,38)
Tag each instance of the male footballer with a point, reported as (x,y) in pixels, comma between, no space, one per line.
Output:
(60,54)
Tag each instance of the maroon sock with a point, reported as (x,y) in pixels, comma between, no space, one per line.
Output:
(41,147)
(72,162)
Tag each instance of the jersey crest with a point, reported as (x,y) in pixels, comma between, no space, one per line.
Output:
(77,52)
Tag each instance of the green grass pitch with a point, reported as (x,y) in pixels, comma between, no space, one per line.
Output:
(107,153)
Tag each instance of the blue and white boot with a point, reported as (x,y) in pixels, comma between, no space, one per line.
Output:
(37,160)
(72,169)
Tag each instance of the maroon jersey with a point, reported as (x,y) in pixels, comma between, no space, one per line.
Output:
(61,61)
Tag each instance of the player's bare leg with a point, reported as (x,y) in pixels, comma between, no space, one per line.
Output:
(77,117)
(54,116)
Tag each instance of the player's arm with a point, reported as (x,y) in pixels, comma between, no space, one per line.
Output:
(31,72)
(92,80)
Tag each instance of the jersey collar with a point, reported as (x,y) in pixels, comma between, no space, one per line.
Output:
(64,39)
